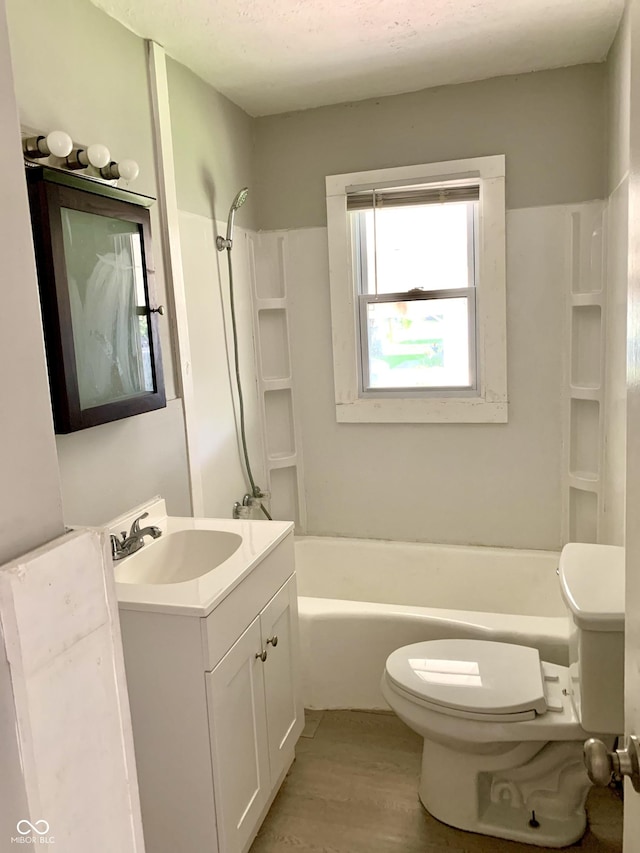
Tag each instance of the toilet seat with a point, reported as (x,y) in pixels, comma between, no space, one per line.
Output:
(476,679)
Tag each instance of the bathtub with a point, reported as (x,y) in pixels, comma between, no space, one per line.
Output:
(360,599)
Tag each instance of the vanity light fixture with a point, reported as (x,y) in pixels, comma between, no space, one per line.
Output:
(127,169)
(57,143)
(96,155)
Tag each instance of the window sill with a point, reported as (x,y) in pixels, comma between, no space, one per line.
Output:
(435,410)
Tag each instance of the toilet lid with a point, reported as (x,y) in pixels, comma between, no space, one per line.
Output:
(476,676)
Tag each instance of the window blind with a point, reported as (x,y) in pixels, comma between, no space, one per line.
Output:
(400,196)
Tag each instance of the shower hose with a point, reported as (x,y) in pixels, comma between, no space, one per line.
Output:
(256,491)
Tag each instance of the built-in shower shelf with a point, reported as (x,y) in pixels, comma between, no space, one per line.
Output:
(277,384)
(581,300)
(585,392)
(271,308)
(586,481)
(274,304)
(283,460)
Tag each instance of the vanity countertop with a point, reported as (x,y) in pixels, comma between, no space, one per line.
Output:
(200,595)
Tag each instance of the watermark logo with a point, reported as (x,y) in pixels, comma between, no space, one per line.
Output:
(40,827)
(33,833)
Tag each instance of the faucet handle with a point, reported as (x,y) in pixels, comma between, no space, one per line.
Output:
(135,527)
(115,545)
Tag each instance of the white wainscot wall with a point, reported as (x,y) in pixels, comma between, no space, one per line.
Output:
(207,293)
(463,484)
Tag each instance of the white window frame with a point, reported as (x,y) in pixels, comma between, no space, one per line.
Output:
(488,403)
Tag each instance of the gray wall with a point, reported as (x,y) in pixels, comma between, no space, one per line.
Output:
(95,87)
(618,106)
(551,125)
(30,500)
(213,147)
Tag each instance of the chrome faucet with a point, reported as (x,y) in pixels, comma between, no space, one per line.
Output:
(127,545)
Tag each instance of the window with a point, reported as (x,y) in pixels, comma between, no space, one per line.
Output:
(415,276)
(417,273)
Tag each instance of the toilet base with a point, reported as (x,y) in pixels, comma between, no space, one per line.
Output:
(498,794)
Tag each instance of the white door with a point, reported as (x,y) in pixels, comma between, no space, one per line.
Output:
(285,715)
(239,751)
(632,536)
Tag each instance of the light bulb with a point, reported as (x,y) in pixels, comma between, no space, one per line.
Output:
(57,143)
(128,169)
(97,155)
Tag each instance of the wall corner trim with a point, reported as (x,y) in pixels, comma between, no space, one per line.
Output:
(168,203)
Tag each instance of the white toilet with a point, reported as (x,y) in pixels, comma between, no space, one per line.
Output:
(504,731)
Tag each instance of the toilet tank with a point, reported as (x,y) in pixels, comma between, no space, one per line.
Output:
(592,585)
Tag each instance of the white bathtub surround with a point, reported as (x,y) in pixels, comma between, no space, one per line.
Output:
(503,729)
(207,293)
(361,599)
(585,375)
(615,403)
(486,484)
(612,522)
(280,423)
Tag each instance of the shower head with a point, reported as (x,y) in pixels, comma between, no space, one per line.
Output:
(227,242)
(240,199)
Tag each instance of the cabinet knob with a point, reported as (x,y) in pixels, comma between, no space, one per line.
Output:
(273,640)
(262,655)
(158,310)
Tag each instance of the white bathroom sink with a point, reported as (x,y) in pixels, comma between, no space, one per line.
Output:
(194,564)
(178,557)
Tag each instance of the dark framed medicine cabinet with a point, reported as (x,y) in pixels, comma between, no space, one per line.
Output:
(96,279)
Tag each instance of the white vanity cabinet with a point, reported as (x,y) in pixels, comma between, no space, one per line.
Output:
(255,718)
(216,710)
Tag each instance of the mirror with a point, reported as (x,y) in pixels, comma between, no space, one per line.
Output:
(93,253)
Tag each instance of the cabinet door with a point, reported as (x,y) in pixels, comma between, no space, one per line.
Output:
(285,715)
(240,755)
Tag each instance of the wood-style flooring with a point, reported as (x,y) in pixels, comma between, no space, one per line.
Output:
(353,789)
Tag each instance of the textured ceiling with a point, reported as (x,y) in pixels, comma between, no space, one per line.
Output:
(271,56)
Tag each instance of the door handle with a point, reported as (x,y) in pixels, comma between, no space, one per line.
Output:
(602,764)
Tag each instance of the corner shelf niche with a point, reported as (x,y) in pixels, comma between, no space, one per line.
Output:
(584,420)
(275,380)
